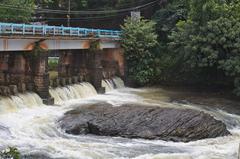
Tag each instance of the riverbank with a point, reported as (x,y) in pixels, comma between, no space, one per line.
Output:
(214,98)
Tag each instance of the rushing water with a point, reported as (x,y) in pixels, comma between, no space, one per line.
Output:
(32,127)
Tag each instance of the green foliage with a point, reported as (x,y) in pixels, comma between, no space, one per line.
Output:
(10,153)
(166,18)
(209,39)
(95,45)
(16,10)
(138,39)
(52,64)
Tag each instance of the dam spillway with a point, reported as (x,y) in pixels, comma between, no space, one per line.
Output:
(60,95)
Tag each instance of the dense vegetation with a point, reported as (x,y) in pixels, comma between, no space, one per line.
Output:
(16,10)
(199,44)
(138,40)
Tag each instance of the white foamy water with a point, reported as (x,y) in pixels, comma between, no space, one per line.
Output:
(32,128)
(76,91)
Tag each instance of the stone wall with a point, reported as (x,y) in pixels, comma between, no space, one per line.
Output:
(27,71)
(91,65)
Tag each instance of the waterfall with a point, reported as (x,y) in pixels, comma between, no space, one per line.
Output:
(75,91)
(111,84)
(61,94)
(19,101)
(118,82)
(107,85)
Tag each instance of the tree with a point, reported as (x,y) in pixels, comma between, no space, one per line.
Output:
(209,40)
(16,10)
(166,19)
(138,39)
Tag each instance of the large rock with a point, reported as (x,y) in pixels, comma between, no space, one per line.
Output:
(148,122)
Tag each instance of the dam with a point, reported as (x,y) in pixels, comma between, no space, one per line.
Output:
(85,55)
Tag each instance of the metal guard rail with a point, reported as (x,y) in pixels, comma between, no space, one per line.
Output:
(45,30)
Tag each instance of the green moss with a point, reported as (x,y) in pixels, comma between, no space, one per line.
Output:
(95,45)
(10,152)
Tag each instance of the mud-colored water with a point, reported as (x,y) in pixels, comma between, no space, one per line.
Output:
(32,128)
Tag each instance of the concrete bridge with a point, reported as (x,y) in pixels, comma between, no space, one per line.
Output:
(85,55)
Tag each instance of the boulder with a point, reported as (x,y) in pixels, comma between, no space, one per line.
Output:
(141,121)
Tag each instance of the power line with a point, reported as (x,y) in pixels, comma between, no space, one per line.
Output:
(113,13)
(95,17)
(46,11)
(122,5)
(96,12)
(98,18)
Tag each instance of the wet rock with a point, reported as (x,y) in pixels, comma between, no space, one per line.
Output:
(68,81)
(138,121)
(22,87)
(74,79)
(56,82)
(36,156)
(30,87)
(13,89)
(63,82)
(4,91)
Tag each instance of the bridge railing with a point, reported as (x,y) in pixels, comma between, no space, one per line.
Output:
(45,30)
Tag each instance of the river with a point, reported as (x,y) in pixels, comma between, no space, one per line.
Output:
(32,127)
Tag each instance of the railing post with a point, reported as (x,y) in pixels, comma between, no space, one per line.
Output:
(23,31)
(62,31)
(54,30)
(70,31)
(12,28)
(98,33)
(78,32)
(33,30)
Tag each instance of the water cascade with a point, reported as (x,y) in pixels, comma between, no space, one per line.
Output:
(75,91)
(111,84)
(35,130)
(118,82)
(19,101)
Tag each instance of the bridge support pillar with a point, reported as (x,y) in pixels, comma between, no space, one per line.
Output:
(95,69)
(65,64)
(4,72)
(17,69)
(41,78)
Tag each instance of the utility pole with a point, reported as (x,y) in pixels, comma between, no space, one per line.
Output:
(69,13)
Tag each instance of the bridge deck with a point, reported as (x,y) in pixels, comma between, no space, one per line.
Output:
(22,37)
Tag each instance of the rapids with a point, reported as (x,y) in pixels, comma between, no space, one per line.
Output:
(30,126)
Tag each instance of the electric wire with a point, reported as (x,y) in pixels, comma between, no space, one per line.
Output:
(37,11)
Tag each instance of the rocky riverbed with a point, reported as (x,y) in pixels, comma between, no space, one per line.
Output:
(142,121)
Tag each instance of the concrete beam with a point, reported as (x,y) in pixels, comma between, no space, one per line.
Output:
(27,44)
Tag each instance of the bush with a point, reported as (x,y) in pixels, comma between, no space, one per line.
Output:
(138,40)
(10,153)
(209,41)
